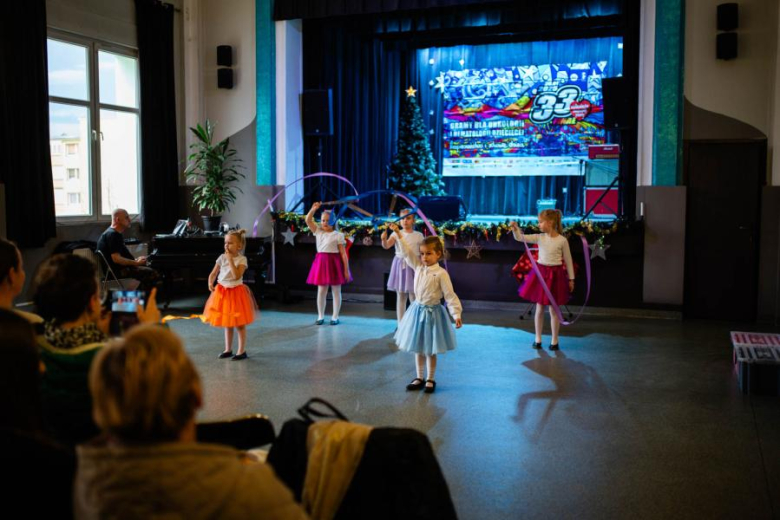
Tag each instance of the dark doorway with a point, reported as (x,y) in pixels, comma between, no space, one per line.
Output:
(724,180)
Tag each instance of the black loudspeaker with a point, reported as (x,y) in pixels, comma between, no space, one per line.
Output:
(728,17)
(726,46)
(441,208)
(317,111)
(617,107)
(224,56)
(225,78)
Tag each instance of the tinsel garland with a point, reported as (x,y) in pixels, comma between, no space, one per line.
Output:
(462,232)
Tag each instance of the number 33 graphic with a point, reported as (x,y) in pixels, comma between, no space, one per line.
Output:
(548,105)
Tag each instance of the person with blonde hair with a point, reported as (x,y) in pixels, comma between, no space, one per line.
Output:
(557,270)
(148,463)
(231,304)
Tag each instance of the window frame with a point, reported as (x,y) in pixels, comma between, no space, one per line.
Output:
(94,106)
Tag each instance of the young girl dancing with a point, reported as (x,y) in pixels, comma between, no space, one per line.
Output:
(553,252)
(401,278)
(425,329)
(330,268)
(231,304)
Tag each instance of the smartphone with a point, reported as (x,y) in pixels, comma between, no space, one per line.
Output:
(124,305)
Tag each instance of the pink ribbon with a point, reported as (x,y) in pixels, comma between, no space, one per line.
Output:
(547,291)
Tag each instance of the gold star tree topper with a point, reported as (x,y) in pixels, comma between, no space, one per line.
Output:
(410,92)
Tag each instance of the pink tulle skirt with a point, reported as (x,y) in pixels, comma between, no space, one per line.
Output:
(557,280)
(327,269)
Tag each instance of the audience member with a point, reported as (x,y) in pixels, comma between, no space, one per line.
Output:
(39,472)
(148,464)
(75,328)
(12,277)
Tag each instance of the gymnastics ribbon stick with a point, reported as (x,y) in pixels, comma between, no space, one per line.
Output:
(547,292)
(272,199)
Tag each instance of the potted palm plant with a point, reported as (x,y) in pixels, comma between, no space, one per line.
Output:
(213,168)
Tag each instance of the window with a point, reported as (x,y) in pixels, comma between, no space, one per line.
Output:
(94,127)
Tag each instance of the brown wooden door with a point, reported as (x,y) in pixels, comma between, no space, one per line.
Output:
(724,182)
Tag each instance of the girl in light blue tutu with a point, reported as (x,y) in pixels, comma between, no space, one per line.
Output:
(425,329)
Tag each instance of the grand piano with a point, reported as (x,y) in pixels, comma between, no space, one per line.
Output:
(186,261)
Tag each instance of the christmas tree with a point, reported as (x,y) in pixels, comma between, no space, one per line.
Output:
(413,169)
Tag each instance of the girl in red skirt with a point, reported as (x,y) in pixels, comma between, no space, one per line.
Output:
(553,253)
(231,304)
(330,268)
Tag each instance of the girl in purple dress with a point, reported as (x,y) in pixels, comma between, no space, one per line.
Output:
(401,274)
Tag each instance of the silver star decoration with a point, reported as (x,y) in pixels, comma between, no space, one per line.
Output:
(440,82)
(289,237)
(473,251)
(598,249)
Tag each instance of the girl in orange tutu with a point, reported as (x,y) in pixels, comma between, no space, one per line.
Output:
(231,304)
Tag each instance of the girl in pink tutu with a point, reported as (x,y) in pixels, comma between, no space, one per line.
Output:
(401,278)
(231,304)
(331,265)
(553,253)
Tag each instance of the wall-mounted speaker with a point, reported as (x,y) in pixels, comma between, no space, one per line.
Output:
(728,17)
(224,56)
(617,107)
(317,112)
(225,78)
(726,46)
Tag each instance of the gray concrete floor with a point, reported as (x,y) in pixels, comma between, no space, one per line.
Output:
(631,418)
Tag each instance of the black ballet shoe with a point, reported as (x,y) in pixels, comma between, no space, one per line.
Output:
(319,322)
(227,354)
(430,389)
(554,347)
(335,322)
(239,357)
(536,345)
(416,384)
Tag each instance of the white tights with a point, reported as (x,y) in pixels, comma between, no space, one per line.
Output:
(322,299)
(400,304)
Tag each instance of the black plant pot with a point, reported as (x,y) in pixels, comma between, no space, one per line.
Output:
(211,223)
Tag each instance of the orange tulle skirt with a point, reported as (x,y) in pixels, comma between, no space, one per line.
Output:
(230,307)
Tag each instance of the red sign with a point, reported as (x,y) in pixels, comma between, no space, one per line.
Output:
(604,151)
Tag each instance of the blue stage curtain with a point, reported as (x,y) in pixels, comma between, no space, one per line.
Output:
(366,80)
(506,195)
(310,9)
(368,64)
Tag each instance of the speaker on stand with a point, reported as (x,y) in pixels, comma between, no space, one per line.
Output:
(317,122)
(617,116)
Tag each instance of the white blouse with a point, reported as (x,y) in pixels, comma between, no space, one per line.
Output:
(552,251)
(431,283)
(329,241)
(413,240)
(226,278)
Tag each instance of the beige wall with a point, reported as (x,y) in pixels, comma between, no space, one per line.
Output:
(229,22)
(745,88)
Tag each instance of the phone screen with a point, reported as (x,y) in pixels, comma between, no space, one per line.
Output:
(124,305)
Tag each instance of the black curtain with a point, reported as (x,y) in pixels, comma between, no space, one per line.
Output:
(25,161)
(159,161)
